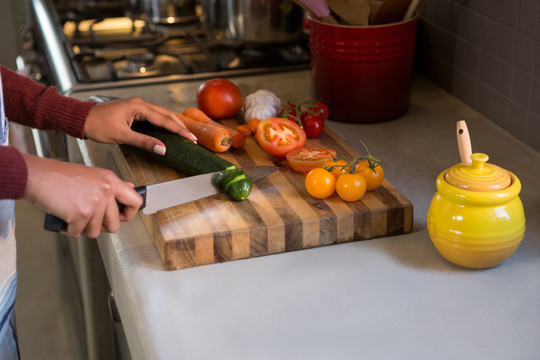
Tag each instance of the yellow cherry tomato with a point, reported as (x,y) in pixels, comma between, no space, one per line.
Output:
(351,187)
(320,183)
(336,167)
(372,172)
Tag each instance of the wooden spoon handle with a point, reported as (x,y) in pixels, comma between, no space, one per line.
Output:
(330,19)
(411,10)
(464,142)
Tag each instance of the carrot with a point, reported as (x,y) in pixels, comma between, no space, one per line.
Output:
(237,138)
(252,124)
(212,137)
(244,130)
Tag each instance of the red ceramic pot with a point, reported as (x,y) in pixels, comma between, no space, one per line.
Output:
(363,73)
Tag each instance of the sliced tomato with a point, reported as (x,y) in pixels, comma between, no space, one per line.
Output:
(278,136)
(309,157)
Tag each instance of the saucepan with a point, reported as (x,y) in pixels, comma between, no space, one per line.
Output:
(165,11)
(237,22)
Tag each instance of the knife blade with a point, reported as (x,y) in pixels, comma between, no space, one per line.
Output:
(173,193)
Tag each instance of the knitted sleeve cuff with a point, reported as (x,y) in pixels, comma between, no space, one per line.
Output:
(13,173)
(64,113)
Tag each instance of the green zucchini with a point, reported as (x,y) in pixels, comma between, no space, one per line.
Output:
(193,159)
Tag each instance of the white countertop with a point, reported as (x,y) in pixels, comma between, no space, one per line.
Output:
(387,298)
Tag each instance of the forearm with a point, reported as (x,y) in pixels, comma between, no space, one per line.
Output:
(32,104)
(13,173)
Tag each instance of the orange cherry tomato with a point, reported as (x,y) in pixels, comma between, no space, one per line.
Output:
(372,172)
(219,98)
(309,157)
(337,167)
(320,183)
(351,187)
(278,136)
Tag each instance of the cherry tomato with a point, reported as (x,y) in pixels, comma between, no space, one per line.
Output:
(316,108)
(320,183)
(351,187)
(309,157)
(278,136)
(289,111)
(337,167)
(219,98)
(312,124)
(372,172)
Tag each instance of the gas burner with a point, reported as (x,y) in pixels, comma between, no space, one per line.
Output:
(292,54)
(142,63)
(112,50)
(295,54)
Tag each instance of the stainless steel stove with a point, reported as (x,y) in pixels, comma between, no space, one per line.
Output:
(101,44)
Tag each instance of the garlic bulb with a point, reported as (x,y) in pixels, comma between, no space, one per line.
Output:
(260,111)
(262,97)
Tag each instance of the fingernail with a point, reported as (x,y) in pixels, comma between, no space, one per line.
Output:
(160,150)
(194,137)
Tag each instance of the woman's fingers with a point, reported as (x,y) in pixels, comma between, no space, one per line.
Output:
(111,123)
(85,197)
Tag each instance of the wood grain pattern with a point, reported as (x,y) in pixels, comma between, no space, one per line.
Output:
(279,215)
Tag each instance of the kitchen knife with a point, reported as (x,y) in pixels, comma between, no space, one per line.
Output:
(172,193)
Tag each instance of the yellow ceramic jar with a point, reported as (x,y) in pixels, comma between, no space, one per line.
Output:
(476,218)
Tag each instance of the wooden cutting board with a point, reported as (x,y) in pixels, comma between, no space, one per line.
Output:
(278,216)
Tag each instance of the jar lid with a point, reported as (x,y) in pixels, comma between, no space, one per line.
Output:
(478,176)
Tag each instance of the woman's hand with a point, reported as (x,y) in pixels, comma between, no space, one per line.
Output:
(84,197)
(110,123)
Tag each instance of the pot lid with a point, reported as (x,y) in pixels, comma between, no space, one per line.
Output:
(478,176)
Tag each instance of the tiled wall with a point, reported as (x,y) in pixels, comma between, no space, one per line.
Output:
(487,53)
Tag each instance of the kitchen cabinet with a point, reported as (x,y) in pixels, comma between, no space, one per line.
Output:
(387,298)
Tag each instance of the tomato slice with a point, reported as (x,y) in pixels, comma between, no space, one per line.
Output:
(278,136)
(309,157)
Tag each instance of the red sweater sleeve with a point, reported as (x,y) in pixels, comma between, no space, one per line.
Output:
(13,173)
(29,103)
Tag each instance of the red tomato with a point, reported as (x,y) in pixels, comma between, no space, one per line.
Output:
(316,108)
(313,125)
(278,136)
(219,98)
(309,157)
(289,112)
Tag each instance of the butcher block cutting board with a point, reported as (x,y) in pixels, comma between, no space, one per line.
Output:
(279,215)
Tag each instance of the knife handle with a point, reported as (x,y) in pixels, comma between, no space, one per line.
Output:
(54,223)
